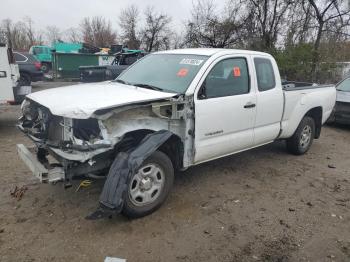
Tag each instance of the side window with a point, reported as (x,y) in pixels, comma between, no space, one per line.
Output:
(228,77)
(20,57)
(264,74)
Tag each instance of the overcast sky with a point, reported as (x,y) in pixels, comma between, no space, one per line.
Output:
(68,13)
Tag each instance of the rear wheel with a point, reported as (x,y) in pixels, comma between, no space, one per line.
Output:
(45,67)
(148,188)
(303,137)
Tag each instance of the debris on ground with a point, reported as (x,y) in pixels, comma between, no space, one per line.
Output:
(331,166)
(84,183)
(114,259)
(18,192)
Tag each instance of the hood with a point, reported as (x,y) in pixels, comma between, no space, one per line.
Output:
(82,100)
(343,96)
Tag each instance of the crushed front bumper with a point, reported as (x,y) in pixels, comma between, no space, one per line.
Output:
(45,175)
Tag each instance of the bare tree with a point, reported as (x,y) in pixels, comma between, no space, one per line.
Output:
(128,21)
(28,22)
(325,12)
(208,27)
(73,35)
(265,19)
(97,31)
(53,34)
(156,33)
(20,35)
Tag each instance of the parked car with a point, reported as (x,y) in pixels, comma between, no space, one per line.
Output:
(169,111)
(341,112)
(29,68)
(109,72)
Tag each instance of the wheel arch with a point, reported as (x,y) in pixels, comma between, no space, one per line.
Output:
(173,147)
(316,114)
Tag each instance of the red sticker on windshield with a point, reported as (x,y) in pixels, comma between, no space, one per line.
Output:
(236,71)
(182,72)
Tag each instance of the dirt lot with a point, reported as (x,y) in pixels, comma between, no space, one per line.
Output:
(262,205)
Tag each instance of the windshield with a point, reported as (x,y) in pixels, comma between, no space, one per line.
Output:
(165,72)
(344,85)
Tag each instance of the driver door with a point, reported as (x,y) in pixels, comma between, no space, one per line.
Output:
(225,109)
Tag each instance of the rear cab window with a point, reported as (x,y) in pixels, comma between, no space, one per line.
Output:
(264,74)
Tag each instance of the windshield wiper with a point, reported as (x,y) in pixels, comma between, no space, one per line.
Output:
(121,81)
(148,87)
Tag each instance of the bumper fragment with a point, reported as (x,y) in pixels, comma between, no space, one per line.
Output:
(45,175)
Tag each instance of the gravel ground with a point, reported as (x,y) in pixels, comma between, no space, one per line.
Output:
(260,205)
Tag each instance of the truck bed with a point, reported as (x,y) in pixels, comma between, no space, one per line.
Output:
(299,99)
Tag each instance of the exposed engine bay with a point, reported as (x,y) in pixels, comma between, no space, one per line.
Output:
(87,147)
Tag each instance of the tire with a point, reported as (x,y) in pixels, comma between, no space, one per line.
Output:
(138,203)
(303,137)
(24,80)
(45,67)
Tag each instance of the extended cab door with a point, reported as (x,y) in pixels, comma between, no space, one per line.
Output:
(270,101)
(225,108)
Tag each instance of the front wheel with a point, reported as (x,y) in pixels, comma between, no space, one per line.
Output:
(303,137)
(149,187)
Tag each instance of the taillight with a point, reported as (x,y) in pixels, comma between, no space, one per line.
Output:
(37,65)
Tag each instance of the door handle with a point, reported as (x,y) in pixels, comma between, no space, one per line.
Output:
(249,105)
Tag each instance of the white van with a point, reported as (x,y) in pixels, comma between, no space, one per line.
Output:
(9,76)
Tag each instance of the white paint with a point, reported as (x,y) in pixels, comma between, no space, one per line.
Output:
(222,124)
(297,103)
(81,101)
(269,108)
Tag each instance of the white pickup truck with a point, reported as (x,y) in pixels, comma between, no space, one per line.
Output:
(169,111)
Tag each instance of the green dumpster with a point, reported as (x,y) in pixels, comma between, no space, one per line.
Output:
(66,65)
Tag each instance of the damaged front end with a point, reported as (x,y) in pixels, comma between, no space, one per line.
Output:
(67,148)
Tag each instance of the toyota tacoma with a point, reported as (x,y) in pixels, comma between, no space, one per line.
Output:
(168,111)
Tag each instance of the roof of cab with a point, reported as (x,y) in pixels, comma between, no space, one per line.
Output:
(211,51)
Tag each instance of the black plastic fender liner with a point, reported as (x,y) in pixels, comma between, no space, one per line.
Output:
(125,165)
